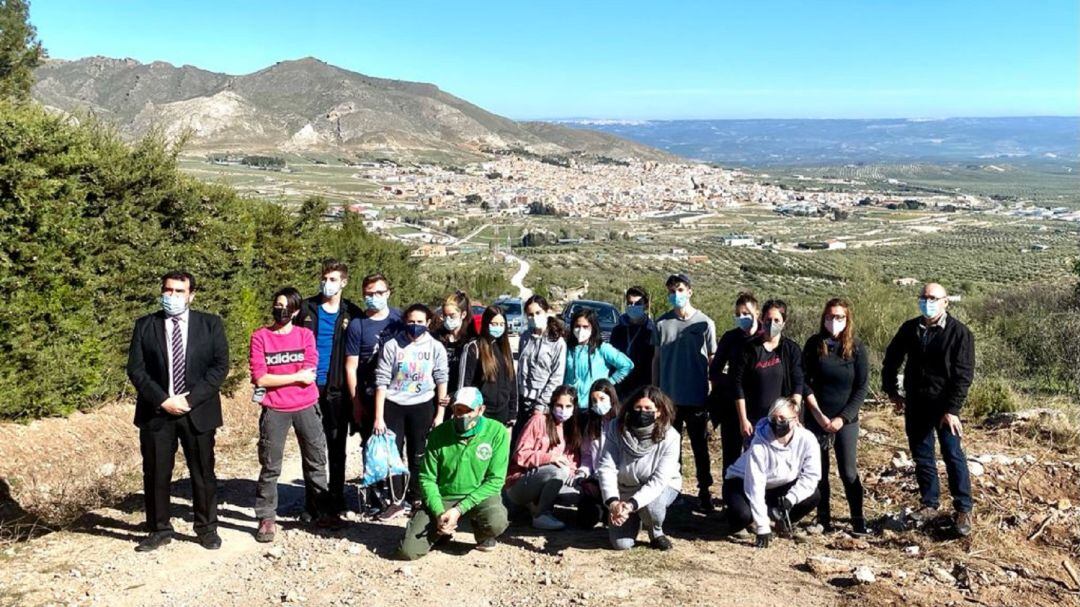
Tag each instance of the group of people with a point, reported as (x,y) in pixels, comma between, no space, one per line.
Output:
(573,424)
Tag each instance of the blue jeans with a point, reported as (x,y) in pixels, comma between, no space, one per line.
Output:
(920,433)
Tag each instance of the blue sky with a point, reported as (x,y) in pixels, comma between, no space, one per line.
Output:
(628,59)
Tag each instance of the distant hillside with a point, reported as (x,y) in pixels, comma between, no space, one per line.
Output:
(1042,140)
(303,106)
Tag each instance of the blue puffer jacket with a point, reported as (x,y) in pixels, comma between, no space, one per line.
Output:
(582,369)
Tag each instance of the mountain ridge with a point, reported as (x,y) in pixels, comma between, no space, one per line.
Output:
(303,105)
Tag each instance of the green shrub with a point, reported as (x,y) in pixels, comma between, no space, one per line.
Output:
(989,396)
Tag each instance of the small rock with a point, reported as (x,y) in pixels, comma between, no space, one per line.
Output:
(942,575)
(107,469)
(275,553)
(975,468)
(849,543)
(354,549)
(911,550)
(405,570)
(1064,504)
(901,461)
(864,575)
(75,573)
(827,565)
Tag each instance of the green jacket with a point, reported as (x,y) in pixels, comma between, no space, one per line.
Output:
(464,470)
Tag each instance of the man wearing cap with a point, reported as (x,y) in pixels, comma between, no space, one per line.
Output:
(461,475)
(685,341)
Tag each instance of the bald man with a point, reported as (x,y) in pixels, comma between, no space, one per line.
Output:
(940,364)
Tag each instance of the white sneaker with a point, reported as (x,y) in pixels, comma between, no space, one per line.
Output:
(547,522)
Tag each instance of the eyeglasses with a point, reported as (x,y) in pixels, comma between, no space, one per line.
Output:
(932,299)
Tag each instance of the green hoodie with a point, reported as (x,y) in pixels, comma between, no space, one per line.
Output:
(464,470)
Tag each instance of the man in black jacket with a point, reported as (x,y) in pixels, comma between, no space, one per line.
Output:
(177,362)
(633,336)
(327,315)
(940,365)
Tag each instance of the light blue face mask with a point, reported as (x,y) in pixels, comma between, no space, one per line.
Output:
(173,305)
(496,331)
(929,309)
(678,299)
(375,303)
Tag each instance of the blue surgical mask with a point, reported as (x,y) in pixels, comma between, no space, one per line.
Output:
(745,322)
(415,331)
(678,299)
(635,312)
(496,331)
(375,302)
(174,305)
(929,309)
(330,289)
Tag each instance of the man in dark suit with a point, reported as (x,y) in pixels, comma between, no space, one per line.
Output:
(177,362)
(938,355)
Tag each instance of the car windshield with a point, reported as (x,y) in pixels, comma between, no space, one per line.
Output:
(605,315)
(510,308)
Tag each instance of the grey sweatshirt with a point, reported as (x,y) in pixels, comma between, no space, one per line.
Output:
(541,367)
(410,370)
(768,464)
(625,475)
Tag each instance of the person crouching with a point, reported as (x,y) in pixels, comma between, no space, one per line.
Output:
(777,477)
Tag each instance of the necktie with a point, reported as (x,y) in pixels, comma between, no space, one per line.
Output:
(178,362)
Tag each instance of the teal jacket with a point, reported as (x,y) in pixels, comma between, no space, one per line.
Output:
(605,363)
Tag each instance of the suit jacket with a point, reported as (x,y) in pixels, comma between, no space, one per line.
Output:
(207,367)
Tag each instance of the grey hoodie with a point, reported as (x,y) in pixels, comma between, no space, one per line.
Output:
(767,464)
(541,368)
(410,370)
(624,475)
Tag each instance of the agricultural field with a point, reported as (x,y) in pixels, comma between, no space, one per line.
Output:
(336,182)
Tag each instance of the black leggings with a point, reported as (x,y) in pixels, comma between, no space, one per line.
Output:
(739,515)
(410,425)
(845,444)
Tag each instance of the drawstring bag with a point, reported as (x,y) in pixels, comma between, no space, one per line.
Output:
(382,460)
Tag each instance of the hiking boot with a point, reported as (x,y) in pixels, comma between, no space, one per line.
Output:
(661,542)
(487,545)
(963,523)
(858,528)
(547,522)
(391,512)
(705,501)
(267,531)
(924,515)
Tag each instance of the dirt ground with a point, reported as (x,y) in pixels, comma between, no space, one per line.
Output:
(92,562)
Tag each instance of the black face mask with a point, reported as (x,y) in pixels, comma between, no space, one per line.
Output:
(640,419)
(780,427)
(282,315)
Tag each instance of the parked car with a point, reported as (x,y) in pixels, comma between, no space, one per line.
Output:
(515,313)
(606,314)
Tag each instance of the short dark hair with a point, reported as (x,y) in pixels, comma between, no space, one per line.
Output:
(778,304)
(179,275)
(746,298)
(333,265)
(637,291)
(417,307)
(674,280)
(371,279)
(292,298)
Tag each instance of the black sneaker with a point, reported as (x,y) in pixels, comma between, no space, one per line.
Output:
(487,545)
(858,528)
(661,542)
(154,541)
(705,501)
(393,511)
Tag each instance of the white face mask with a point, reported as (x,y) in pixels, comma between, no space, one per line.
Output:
(601,405)
(835,327)
(452,323)
(582,334)
(330,289)
(560,414)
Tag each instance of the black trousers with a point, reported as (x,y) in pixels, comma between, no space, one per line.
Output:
(739,514)
(696,422)
(158,446)
(844,444)
(731,438)
(336,428)
(410,425)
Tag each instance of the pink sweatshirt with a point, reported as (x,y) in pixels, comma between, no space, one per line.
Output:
(534,449)
(282,354)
